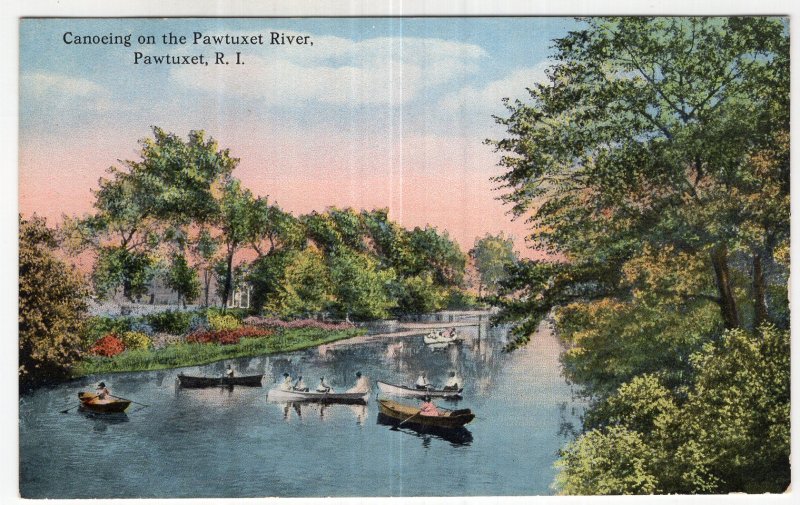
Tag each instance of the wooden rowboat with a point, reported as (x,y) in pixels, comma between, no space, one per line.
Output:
(110,404)
(188,381)
(408,414)
(279,395)
(392,389)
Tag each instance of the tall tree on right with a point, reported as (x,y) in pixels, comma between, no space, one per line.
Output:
(660,132)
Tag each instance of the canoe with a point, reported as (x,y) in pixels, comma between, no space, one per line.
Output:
(436,338)
(392,389)
(448,419)
(279,395)
(456,436)
(188,381)
(93,403)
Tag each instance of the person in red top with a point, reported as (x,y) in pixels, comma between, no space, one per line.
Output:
(428,408)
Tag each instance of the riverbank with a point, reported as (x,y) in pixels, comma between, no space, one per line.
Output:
(182,354)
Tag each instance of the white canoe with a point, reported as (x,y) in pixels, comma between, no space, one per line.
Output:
(392,389)
(279,395)
(436,338)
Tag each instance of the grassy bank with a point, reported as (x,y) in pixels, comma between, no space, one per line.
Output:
(188,354)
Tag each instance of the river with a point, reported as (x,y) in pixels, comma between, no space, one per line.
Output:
(223,442)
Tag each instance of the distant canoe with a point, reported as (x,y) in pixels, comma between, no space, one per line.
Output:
(279,395)
(435,337)
(93,403)
(403,413)
(188,381)
(392,389)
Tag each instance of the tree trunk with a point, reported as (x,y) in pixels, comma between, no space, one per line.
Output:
(207,282)
(226,293)
(759,292)
(727,303)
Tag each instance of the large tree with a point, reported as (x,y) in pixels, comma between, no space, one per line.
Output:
(52,307)
(493,255)
(173,185)
(647,132)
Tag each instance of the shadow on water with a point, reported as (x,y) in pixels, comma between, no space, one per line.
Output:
(103,420)
(456,436)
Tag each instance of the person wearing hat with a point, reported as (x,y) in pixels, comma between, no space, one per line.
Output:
(323,387)
(229,372)
(428,408)
(361,386)
(286,385)
(102,391)
(452,382)
(299,385)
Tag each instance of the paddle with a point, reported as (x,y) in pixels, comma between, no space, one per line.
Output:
(67,410)
(128,400)
(408,419)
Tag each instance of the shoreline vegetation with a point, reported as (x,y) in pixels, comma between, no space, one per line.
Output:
(184,354)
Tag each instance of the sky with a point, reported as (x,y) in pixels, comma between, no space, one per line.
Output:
(378,112)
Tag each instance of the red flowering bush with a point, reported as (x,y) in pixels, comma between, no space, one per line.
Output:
(227,337)
(108,346)
(297,323)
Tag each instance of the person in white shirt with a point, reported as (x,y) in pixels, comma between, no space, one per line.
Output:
(422,382)
(452,383)
(361,386)
(324,387)
(300,385)
(229,372)
(286,385)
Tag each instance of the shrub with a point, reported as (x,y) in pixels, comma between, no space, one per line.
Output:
(227,337)
(108,346)
(198,323)
(136,340)
(175,322)
(98,326)
(142,327)
(161,340)
(219,322)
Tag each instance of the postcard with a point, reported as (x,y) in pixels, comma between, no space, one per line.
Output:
(403,256)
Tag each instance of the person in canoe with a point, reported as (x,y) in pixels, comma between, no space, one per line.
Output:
(102,391)
(428,408)
(229,372)
(361,386)
(324,387)
(299,385)
(452,383)
(422,381)
(286,385)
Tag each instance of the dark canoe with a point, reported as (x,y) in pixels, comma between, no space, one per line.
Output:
(91,402)
(456,436)
(403,413)
(188,381)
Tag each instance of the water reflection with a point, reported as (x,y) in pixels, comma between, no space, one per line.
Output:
(456,436)
(323,411)
(102,421)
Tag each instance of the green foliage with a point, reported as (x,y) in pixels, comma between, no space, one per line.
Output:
(219,321)
(419,295)
(361,289)
(52,307)
(305,286)
(136,340)
(98,326)
(183,279)
(117,266)
(493,256)
(174,322)
(726,431)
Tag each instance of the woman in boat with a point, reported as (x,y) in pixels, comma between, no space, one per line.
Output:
(427,408)
(286,385)
(300,385)
(452,382)
(323,387)
(362,385)
(422,382)
(102,391)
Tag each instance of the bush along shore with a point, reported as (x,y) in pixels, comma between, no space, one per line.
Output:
(178,339)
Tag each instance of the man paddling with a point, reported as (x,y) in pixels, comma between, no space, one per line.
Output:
(286,385)
(452,382)
(361,386)
(102,391)
(422,382)
(323,387)
(300,385)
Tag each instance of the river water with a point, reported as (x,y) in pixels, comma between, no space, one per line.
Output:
(233,443)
